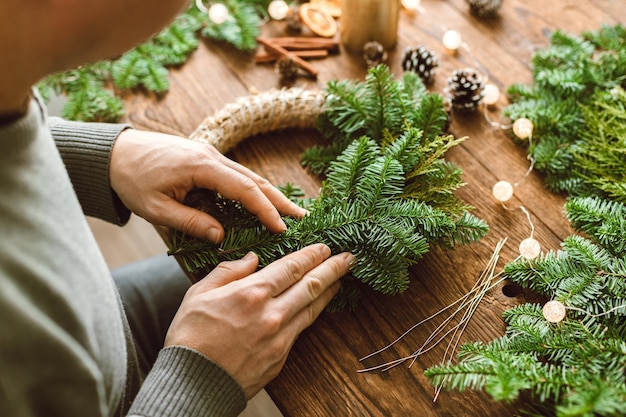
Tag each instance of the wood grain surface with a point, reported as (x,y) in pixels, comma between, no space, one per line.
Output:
(320,377)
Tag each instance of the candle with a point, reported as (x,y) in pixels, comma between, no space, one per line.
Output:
(363,21)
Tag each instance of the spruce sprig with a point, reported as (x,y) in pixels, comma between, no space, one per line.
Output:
(380,108)
(93,90)
(573,79)
(368,204)
(575,367)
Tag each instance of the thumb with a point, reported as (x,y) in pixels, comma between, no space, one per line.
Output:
(230,271)
(192,221)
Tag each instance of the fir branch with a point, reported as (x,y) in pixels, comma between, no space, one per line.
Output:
(603,220)
(380,108)
(578,364)
(92,91)
(241,29)
(601,155)
(365,205)
(575,367)
(576,96)
(87,98)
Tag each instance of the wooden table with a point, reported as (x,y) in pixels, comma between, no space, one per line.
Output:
(320,377)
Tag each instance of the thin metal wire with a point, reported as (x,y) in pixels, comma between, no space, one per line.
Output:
(471,300)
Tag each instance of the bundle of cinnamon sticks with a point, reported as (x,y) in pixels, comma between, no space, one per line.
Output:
(298,49)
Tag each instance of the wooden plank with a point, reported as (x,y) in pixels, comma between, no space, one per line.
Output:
(320,377)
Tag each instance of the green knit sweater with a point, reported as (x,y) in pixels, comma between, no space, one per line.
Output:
(65,346)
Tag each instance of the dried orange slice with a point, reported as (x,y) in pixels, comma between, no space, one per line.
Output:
(317,20)
(332,7)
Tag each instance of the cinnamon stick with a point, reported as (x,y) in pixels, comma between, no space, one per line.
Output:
(295,43)
(304,54)
(279,50)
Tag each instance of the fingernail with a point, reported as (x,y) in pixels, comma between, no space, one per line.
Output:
(249,256)
(349,259)
(283,226)
(214,235)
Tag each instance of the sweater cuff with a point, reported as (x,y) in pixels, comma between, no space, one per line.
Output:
(183,382)
(86,151)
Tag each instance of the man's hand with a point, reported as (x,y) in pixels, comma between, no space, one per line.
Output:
(153,172)
(247,321)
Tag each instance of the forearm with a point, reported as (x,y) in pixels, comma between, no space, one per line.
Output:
(183,382)
(86,152)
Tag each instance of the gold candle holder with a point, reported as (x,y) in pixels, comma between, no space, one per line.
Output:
(363,21)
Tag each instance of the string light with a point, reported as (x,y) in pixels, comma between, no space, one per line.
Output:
(413,5)
(491,94)
(502,191)
(452,40)
(523,128)
(554,311)
(529,248)
(278,9)
(218,13)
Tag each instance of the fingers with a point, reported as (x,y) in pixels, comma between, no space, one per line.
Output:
(307,298)
(284,273)
(306,316)
(278,199)
(257,195)
(189,220)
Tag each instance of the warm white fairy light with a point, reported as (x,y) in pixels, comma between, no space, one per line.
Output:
(554,311)
(502,191)
(523,128)
(218,13)
(452,40)
(529,248)
(278,9)
(491,94)
(413,5)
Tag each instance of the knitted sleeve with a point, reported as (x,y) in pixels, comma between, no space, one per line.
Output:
(86,152)
(183,382)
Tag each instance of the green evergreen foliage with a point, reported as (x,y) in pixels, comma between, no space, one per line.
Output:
(601,154)
(580,148)
(243,29)
(91,89)
(576,367)
(380,108)
(370,203)
(86,99)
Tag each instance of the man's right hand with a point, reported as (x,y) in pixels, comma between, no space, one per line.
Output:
(247,320)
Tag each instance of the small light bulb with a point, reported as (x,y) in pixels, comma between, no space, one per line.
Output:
(554,311)
(523,128)
(502,191)
(278,9)
(491,94)
(218,13)
(452,40)
(413,5)
(529,248)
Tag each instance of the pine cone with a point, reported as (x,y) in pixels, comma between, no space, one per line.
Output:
(421,61)
(293,21)
(484,8)
(373,54)
(465,89)
(286,68)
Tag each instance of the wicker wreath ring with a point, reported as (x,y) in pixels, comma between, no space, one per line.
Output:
(261,113)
